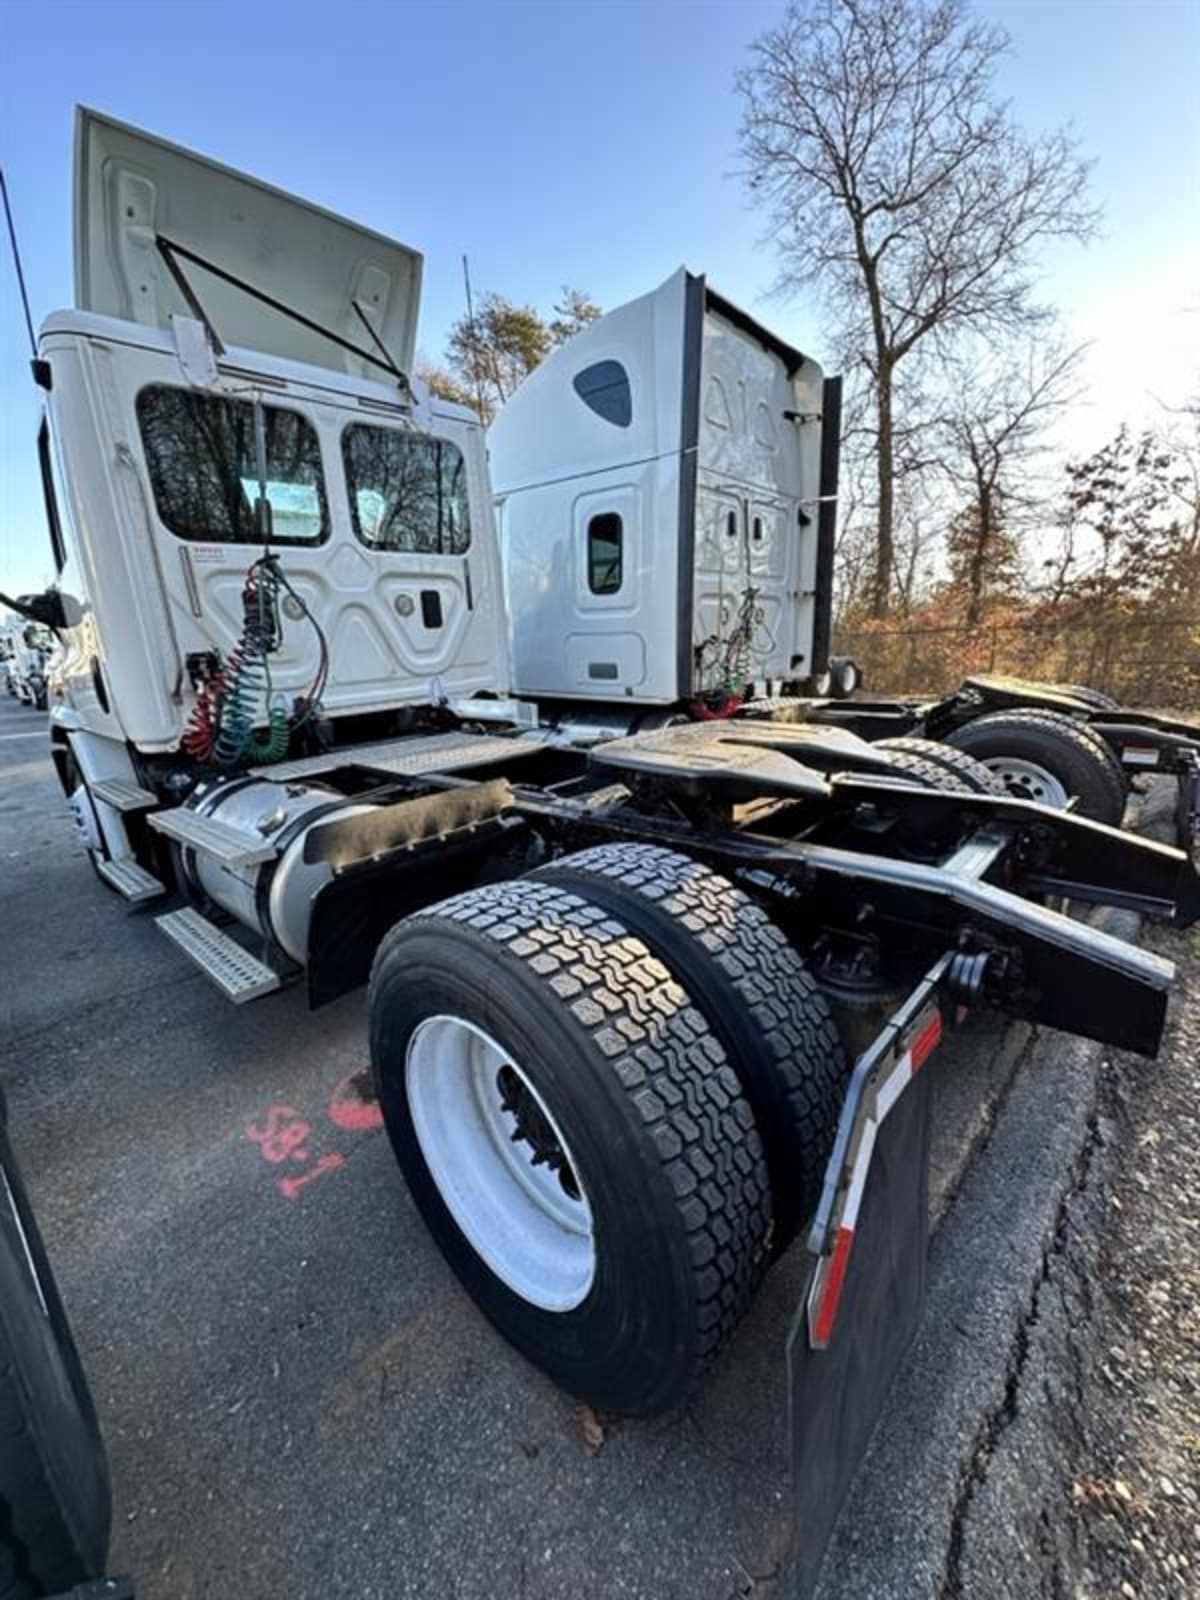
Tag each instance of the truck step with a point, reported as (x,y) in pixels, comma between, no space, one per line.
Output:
(230,846)
(123,794)
(239,975)
(130,880)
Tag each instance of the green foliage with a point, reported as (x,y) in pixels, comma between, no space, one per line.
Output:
(1127,497)
(443,383)
(490,354)
(1116,606)
(493,351)
(574,311)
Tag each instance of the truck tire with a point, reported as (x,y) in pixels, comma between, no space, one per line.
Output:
(573,1136)
(1060,719)
(977,778)
(1042,756)
(1096,698)
(925,773)
(55,1495)
(754,991)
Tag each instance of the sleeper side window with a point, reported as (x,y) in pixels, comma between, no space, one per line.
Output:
(203,466)
(605,551)
(604,388)
(408,491)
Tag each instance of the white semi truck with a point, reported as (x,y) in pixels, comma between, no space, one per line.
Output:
(666,497)
(25,651)
(653,970)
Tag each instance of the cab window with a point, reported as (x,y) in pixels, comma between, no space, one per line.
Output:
(408,491)
(200,452)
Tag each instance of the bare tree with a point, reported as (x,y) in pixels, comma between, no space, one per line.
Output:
(993,429)
(899,184)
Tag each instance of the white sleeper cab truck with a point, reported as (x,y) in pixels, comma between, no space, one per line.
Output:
(642,1004)
(666,492)
(665,487)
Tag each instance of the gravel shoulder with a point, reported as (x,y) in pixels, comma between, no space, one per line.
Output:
(1090,1487)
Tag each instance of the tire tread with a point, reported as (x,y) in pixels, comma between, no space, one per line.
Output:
(725,950)
(971,773)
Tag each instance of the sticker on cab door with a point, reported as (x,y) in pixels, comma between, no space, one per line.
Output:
(206,553)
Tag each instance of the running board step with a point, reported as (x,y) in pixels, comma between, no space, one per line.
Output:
(122,794)
(130,880)
(230,846)
(239,975)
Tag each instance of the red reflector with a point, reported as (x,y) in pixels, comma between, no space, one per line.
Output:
(926,1041)
(827,1315)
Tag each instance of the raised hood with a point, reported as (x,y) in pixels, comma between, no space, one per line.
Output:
(131,188)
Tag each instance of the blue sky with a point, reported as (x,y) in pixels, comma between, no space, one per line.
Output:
(591,143)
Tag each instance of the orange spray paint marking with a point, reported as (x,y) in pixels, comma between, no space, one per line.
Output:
(289,1188)
(348,1109)
(283,1133)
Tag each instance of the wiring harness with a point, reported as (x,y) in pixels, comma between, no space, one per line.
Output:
(729,670)
(221,729)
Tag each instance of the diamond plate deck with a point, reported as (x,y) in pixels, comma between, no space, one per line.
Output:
(412,757)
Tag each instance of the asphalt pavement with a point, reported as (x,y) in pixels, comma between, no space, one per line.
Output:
(300,1401)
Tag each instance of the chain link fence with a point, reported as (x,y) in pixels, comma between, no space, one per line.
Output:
(1140,660)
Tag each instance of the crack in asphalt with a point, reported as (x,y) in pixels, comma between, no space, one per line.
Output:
(995,1423)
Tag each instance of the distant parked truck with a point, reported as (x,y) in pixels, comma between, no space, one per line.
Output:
(658,946)
(25,650)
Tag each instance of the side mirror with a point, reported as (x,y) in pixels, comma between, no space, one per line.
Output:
(47,608)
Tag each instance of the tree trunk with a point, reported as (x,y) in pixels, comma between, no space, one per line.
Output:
(979,558)
(885,543)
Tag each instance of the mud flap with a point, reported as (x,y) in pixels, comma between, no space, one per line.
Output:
(836,1394)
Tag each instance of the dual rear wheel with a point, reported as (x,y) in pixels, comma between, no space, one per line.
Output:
(1048,757)
(612,1088)
(1044,756)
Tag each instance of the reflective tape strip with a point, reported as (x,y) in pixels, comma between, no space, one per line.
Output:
(831,1274)
(831,1290)
(858,1178)
(926,1042)
(826,1316)
(1138,756)
(893,1086)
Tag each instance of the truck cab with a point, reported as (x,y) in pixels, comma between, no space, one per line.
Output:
(177,397)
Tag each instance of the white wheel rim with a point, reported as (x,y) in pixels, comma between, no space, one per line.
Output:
(530,1222)
(1026,778)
